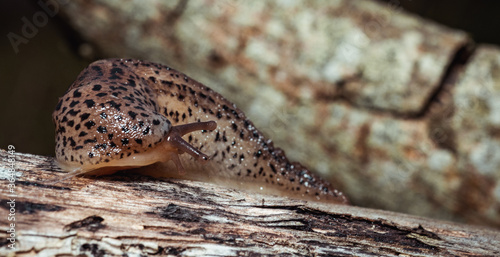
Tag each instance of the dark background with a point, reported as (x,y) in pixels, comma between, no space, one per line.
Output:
(32,79)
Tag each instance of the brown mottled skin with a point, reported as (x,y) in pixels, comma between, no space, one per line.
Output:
(122,113)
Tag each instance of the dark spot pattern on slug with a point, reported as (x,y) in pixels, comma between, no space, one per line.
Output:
(73,103)
(84,116)
(73,112)
(89,124)
(76,94)
(89,103)
(102,129)
(132,114)
(96,87)
(119,108)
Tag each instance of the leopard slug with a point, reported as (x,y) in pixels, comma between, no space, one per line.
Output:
(122,114)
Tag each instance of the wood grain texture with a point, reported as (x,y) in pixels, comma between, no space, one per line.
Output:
(136,215)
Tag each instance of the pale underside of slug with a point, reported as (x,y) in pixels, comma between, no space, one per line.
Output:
(119,113)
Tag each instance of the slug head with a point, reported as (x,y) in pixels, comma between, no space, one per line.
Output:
(108,120)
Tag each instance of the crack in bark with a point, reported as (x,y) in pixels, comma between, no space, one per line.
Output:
(456,64)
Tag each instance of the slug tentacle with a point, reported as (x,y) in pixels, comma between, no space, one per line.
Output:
(174,157)
(176,145)
(66,176)
(188,128)
(122,113)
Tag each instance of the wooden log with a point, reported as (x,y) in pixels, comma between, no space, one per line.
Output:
(371,97)
(129,214)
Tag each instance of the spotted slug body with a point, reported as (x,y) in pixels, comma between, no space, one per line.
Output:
(120,114)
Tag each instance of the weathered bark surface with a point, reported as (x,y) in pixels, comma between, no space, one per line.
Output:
(384,104)
(133,214)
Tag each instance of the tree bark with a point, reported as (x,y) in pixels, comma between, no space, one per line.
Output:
(373,98)
(132,214)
